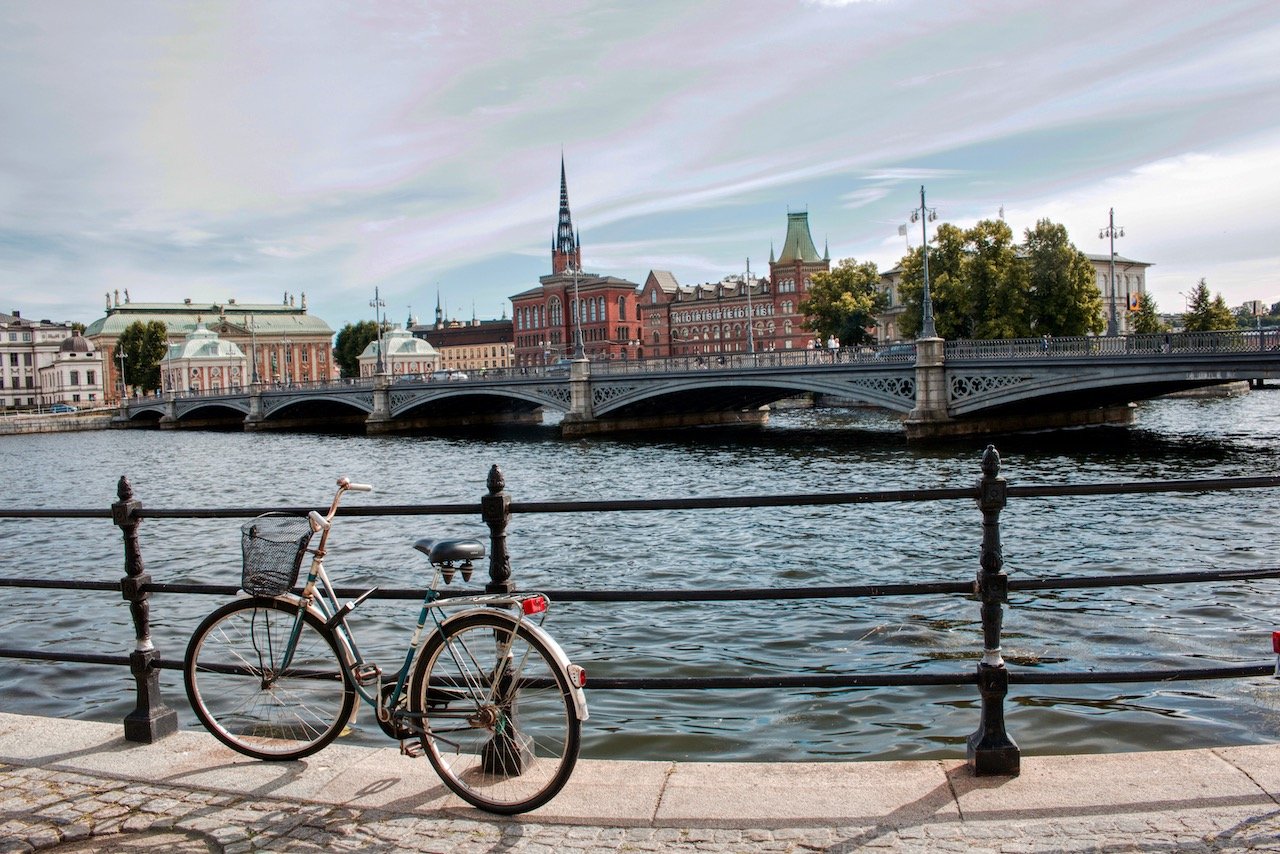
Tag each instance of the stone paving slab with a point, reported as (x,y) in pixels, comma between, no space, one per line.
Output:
(70,786)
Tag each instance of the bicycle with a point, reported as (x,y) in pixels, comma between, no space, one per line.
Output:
(486,694)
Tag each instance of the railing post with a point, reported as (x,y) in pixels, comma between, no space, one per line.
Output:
(151,719)
(495,509)
(990,751)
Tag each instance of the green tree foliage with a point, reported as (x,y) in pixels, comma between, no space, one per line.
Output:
(144,346)
(1063,293)
(350,343)
(1205,314)
(951,307)
(1146,319)
(984,286)
(844,302)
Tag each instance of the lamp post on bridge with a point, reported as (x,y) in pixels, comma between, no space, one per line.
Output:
(376,304)
(925,215)
(1113,322)
(120,356)
(579,351)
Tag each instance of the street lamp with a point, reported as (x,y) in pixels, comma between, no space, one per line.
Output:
(925,215)
(1113,323)
(120,356)
(579,351)
(376,304)
(253,348)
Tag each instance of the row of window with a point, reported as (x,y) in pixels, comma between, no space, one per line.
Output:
(592,309)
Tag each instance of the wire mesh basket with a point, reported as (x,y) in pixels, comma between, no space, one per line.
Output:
(273,547)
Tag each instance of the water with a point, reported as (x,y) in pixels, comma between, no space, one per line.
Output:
(801,451)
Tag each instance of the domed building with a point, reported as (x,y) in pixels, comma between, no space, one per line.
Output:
(203,362)
(75,374)
(402,354)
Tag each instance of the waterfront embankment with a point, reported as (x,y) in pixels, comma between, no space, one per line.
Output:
(60,422)
(79,786)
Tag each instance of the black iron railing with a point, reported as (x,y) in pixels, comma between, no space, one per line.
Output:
(990,749)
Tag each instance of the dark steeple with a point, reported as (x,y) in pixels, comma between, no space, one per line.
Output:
(566,247)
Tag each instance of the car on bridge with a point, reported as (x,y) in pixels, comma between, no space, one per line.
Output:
(62,407)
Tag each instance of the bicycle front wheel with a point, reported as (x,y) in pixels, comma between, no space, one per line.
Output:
(498,719)
(242,692)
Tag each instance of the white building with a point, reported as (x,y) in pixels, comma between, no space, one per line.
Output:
(74,376)
(404,354)
(26,347)
(203,363)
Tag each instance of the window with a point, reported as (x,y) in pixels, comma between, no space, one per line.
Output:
(622,308)
(13,359)
(73,378)
(90,377)
(26,359)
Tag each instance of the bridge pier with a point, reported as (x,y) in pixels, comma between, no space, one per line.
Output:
(1120,415)
(930,411)
(572,427)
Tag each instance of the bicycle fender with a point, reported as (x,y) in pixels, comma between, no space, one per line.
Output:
(561,659)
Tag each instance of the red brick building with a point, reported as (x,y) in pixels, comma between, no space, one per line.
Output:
(681,320)
(547,319)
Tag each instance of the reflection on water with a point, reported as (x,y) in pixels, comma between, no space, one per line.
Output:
(800,451)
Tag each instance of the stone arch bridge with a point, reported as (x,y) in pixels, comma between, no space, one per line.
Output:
(940,388)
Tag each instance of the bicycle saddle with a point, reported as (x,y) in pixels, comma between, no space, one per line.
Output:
(447,552)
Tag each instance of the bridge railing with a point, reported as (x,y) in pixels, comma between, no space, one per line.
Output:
(1144,346)
(990,748)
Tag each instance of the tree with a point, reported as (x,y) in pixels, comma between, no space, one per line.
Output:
(144,345)
(951,309)
(1063,293)
(350,343)
(1205,314)
(1146,320)
(844,302)
(996,282)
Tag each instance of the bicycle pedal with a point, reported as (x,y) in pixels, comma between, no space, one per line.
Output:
(367,674)
(411,748)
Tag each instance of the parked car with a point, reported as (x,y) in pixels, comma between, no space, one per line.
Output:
(62,407)
(896,351)
(559,366)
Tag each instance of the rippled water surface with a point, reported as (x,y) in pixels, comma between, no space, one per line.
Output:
(800,451)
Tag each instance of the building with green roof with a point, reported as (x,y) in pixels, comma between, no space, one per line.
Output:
(283,342)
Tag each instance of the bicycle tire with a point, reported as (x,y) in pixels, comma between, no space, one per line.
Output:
(237,691)
(501,758)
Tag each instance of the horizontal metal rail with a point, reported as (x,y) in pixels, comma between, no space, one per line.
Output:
(705,503)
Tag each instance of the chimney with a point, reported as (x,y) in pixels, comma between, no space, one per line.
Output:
(17,313)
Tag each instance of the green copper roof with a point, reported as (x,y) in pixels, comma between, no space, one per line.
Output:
(181,318)
(799,243)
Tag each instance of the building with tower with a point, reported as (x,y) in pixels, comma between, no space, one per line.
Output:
(572,310)
(742,313)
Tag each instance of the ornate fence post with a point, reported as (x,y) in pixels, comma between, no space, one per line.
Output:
(495,509)
(991,751)
(151,719)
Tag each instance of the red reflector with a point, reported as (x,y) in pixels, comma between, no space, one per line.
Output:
(1275,642)
(533,605)
(577,676)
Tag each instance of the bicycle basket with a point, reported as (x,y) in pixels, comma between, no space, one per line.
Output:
(273,547)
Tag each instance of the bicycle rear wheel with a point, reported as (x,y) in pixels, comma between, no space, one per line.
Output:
(244,696)
(499,721)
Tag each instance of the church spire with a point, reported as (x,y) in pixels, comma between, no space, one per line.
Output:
(566,248)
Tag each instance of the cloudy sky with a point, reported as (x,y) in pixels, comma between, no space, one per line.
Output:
(223,149)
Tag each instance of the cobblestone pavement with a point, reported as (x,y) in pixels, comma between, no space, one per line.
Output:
(43,809)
